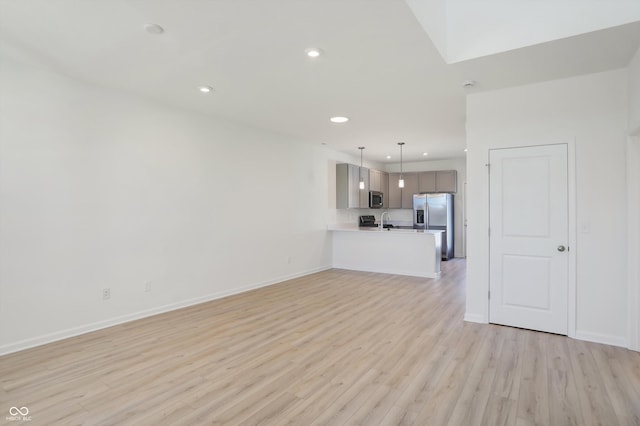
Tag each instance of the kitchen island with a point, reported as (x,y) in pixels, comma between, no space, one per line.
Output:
(390,251)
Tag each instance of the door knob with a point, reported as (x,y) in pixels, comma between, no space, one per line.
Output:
(561,248)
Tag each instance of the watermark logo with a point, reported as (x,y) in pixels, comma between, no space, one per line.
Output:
(18,414)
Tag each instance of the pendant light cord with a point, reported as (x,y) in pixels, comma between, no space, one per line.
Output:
(361,148)
(401,143)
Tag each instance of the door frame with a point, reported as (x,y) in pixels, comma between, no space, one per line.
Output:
(633,239)
(572,231)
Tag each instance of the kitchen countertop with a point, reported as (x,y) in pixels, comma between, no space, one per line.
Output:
(356,228)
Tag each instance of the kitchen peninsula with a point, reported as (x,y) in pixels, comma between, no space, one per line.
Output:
(396,251)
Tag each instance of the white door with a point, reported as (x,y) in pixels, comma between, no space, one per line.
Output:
(528,254)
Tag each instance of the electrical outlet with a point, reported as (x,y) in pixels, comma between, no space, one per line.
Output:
(106,293)
(147,287)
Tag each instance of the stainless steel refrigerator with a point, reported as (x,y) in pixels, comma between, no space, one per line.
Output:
(435,211)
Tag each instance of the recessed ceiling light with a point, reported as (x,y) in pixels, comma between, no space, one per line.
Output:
(153,28)
(339,119)
(313,52)
(465,150)
(205,89)
(425,153)
(388,157)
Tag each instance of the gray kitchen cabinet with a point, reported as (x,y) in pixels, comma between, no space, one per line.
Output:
(410,188)
(348,192)
(374,180)
(427,181)
(446,181)
(363,193)
(394,198)
(384,188)
(402,198)
(378,180)
(438,181)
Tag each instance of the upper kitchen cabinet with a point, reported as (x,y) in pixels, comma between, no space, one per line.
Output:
(446,181)
(427,181)
(384,188)
(363,193)
(393,200)
(348,192)
(410,188)
(402,198)
(378,181)
(374,180)
(438,181)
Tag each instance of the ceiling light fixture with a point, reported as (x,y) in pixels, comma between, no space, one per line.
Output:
(388,157)
(313,52)
(339,119)
(205,89)
(361,148)
(465,150)
(153,28)
(425,154)
(401,180)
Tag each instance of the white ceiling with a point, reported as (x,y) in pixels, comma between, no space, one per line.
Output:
(379,68)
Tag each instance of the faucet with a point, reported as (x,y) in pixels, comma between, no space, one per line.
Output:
(382,219)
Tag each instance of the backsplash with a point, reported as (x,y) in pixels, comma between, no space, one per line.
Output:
(395,216)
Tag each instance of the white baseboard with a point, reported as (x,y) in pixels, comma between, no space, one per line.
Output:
(76,331)
(601,338)
(475,318)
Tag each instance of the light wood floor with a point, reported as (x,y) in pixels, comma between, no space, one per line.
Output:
(333,348)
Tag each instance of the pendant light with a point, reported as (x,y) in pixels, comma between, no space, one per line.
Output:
(361,148)
(401,180)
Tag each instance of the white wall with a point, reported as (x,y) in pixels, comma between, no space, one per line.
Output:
(592,110)
(101,189)
(634,93)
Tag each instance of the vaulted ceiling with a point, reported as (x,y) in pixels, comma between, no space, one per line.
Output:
(379,65)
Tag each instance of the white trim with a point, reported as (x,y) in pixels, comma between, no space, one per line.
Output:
(464,219)
(633,241)
(475,318)
(76,331)
(572,285)
(605,339)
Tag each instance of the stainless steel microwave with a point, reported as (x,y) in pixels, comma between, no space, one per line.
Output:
(375,200)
